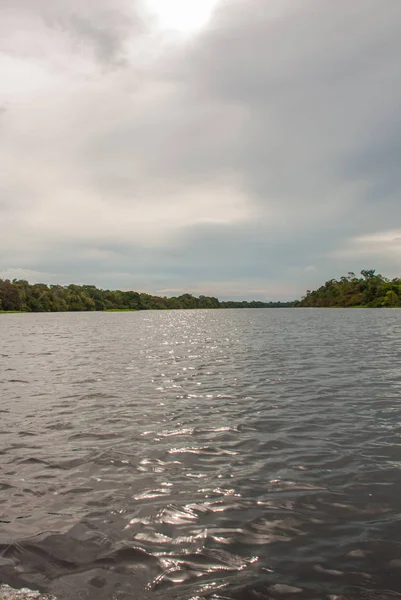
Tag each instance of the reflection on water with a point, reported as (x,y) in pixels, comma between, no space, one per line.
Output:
(207,454)
(9,593)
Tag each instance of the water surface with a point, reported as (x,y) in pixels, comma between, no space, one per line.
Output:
(238,454)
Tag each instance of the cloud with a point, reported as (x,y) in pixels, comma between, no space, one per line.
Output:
(31,27)
(232,160)
(383,248)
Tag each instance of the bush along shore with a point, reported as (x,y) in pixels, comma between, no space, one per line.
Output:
(368,291)
(20,296)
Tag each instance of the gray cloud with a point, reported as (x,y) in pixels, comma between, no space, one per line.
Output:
(99,25)
(259,157)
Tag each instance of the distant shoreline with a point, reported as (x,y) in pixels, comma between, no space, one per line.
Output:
(19,295)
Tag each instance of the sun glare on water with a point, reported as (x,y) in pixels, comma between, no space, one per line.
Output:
(181,15)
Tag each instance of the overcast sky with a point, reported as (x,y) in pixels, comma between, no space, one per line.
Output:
(242,148)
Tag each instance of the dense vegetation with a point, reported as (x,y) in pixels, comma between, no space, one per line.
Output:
(370,290)
(19,295)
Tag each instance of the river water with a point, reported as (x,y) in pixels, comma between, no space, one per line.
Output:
(232,454)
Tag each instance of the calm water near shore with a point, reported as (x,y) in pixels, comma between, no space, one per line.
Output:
(237,454)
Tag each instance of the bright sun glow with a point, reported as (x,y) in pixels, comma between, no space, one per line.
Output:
(182,15)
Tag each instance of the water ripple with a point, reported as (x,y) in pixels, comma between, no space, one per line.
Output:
(222,455)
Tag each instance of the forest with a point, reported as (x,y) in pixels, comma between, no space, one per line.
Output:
(20,296)
(371,290)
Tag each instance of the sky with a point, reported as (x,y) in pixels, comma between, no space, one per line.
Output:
(235,148)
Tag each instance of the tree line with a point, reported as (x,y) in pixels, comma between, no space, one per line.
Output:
(19,295)
(370,291)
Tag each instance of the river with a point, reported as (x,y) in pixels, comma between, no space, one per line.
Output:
(227,454)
